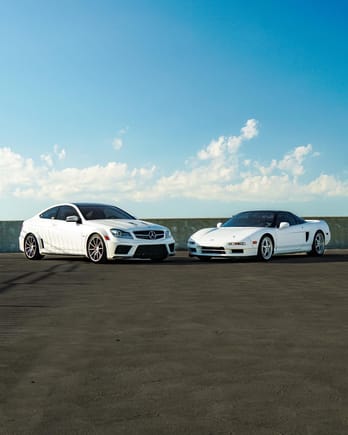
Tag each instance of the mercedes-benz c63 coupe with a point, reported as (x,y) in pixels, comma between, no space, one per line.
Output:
(100,232)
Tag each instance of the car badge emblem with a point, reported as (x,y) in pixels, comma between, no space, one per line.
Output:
(152,235)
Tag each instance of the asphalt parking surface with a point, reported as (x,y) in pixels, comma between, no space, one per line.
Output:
(182,347)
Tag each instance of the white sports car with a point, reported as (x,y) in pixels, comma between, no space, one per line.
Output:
(261,234)
(100,232)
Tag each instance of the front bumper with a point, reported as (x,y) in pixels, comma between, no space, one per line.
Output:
(196,250)
(131,248)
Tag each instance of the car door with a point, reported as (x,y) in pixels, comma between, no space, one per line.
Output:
(67,236)
(46,228)
(291,238)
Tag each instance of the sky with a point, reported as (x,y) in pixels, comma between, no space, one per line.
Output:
(182,108)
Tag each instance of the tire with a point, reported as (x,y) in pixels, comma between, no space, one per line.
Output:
(31,248)
(96,250)
(318,245)
(266,247)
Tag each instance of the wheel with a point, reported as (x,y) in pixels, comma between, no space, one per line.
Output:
(265,250)
(31,248)
(204,258)
(318,245)
(96,250)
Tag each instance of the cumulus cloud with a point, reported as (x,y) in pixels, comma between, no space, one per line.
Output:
(112,180)
(250,129)
(218,171)
(221,146)
(15,170)
(47,158)
(58,152)
(293,162)
(328,185)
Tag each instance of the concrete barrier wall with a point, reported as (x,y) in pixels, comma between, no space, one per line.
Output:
(181,230)
(9,232)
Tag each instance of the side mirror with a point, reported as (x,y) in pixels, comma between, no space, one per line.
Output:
(75,219)
(283,225)
(218,225)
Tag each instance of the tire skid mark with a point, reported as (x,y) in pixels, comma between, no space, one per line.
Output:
(17,311)
(23,306)
(36,276)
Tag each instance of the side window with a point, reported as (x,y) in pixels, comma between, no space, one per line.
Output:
(65,211)
(286,217)
(299,221)
(291,219)
(49,214)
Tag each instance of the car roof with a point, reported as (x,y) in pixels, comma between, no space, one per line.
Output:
(266,211)
(90,204)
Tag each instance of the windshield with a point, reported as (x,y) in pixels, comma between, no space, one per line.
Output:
(93,212)
(252,219)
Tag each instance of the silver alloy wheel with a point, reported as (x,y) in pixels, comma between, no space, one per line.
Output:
(96,249)
(265,248)
(31,248)
(319,243)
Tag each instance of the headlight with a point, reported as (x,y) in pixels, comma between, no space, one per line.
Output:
(120,234)
(191,242)
(167,234)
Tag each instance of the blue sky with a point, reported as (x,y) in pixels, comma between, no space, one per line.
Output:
(174,108)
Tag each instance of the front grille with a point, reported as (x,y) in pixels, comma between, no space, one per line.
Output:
(151,251)
(213,250)
(149,234)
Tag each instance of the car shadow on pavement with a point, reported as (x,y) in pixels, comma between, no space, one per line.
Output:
(182,258)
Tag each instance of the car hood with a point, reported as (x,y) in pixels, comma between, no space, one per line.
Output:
(222,235)
(125,224)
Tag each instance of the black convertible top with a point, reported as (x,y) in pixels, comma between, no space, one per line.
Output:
(263,218)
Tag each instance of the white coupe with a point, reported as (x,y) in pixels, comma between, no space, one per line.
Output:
(100,232)
(261,234)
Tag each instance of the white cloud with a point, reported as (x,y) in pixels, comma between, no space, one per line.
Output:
(217,172)
(117,143)
(86,182)
(292,162)
(250,129)
(143,172)
(15,170)
(328,185)
(218,148)
(214,149)
(60,153)
(47,158)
